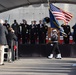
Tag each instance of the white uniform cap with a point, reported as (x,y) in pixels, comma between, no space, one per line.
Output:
(54,30)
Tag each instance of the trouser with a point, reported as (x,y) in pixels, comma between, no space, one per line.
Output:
(33,38)
(23,38)
(66,39)
(9,55)
(55,48)
(74,37)
(1,54)
(42,38)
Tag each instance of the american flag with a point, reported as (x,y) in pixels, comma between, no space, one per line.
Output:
(60,14)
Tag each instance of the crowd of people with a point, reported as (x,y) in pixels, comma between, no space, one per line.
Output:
(67,30)
(21,33)
(30,34)
(34,33)
(9,39)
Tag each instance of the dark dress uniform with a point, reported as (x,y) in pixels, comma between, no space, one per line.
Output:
(41,33)
(16,28)
(24,33)
(45,32)
(68,32)
(6,25)
(33,34)
(74,33)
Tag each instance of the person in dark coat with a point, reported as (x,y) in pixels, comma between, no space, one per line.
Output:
(45,30)
(34,33)
(68,32)
(16,28)
(10,40)
(3,41)
(74,33)
(24,32)
(30,32)
(41,32)
(6,24)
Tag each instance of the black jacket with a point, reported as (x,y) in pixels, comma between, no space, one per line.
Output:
(10,37)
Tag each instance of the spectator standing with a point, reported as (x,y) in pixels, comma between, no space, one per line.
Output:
(3,41)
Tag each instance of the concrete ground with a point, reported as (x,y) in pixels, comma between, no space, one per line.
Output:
(39,66)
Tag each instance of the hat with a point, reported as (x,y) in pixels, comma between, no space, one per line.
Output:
(54,30)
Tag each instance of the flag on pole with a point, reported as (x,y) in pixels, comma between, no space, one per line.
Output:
(54,23)
(60,14)
(8,19)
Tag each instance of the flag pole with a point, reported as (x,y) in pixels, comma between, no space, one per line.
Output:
(52,28)
(49,28)
(48,4)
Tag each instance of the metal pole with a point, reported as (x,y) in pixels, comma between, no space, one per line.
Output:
(48,3)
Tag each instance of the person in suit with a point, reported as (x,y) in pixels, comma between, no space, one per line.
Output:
(33,32)
(30,32)
(67,31)
(41,32)
(3,41)
(25,32)
(6,24)
(54,44)
(74,32)
(16,28)
(45,29)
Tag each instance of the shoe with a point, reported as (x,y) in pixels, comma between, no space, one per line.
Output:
(1,64)
(58,56)
(51,56)
(10,61)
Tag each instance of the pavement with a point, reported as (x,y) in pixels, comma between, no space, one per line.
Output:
(40,66)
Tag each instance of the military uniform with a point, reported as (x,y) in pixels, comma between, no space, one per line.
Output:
(55,47)
(16,28)
(6,25)
(24,33)
(45,29)
(33,34)
(74,33)
(41,33)
(68,32)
